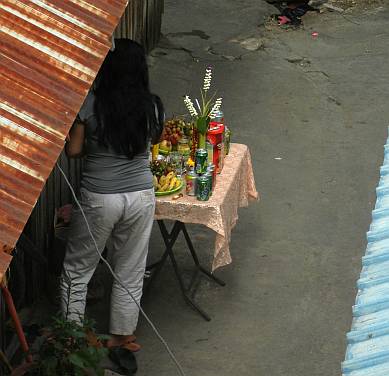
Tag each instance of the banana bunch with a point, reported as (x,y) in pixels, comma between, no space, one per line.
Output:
(166,182)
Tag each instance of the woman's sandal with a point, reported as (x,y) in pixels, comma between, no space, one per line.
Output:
(129,344)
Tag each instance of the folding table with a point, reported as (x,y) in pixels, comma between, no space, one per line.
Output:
(235,187)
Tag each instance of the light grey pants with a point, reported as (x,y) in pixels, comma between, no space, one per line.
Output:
(123,222)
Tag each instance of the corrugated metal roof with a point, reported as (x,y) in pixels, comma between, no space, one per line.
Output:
(368,341)
(50,52)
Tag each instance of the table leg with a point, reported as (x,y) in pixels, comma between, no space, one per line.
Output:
(169,240)
(195,257)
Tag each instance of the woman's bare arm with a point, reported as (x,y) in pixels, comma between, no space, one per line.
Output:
(76,139)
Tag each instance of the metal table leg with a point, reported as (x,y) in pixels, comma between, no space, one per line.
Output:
(196,259)
(169,240)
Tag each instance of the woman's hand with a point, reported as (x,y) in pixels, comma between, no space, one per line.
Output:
(64,213)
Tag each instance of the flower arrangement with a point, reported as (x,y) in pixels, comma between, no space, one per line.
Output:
(206,110)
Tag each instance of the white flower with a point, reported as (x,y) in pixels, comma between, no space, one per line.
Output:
(190,106)
(215,108)
(207,79)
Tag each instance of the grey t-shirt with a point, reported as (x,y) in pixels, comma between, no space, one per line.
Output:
(105,171)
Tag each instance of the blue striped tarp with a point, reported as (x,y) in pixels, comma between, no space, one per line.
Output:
(368,341)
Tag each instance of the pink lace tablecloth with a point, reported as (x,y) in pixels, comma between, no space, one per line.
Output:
(235,187)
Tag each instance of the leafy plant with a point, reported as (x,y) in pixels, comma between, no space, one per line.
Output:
(69,349)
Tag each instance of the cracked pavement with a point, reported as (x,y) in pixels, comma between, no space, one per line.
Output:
(314,113)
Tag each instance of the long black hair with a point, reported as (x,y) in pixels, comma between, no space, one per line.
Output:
(129,116)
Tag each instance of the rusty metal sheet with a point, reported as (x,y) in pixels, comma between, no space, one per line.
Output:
(50,52)
(5,260)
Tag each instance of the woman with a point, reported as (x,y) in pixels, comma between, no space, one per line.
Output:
(116,124)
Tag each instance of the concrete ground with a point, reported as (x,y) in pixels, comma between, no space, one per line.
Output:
(314,112)
(320,105)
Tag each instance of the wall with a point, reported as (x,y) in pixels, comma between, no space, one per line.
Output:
(142,22)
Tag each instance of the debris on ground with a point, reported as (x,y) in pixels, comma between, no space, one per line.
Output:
(291,12)
(333,8)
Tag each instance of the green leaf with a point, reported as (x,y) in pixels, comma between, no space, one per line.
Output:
(76,334)
(207,106)
(202,124)
(203,97)
(77,360)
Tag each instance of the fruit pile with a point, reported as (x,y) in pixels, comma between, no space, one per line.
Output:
(174,129)
(164,178)
(159,168)
(166,182)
